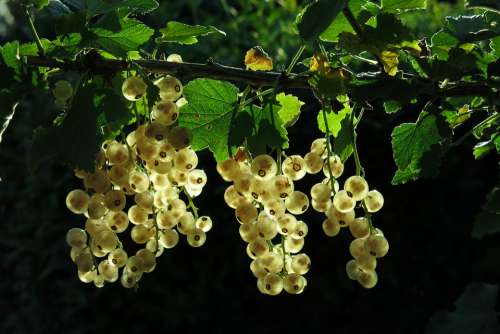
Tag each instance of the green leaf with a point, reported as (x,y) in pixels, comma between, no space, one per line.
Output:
(95,7)
(495,46)
(483,148)
(209,114)
(403,5)
(441,44)
(181,33)
(115,113)
(341,24)
(493,5)
(76,141)
(418,147)
(10,56)
(473,28)
(330,87)
(317,17)
(474,313)
(342,145)
(392,106)
(290,108)
(129,37)
(334,120)
(267,130)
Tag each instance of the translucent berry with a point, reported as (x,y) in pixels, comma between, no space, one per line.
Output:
(374,201)
(357,187)
(133,88)
(170,88)
(264,166)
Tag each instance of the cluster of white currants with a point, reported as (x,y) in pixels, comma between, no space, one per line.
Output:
(339,206)
(154,165)
(266,204)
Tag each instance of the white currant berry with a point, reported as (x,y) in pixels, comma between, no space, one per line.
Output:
(169,238)
(377,245)
(301,263)
(117,153)
(139,181)
(281,186)
(185,160)
(84,262)
(344,219)
(321,206)
(63,90)
(352,269)
(174,58)
(314,162)
(336,167)
(320,192)
(232,197)
(118,257)
(228,169)
(264,166)
(137,215)
(318,146)
(301,230)
(140,234)
(135,265)
(186,224)
(294,167)
(77,201)
(257,269)
(357,247)
(170,88)
(294,245)
(374,201)
(272,262)
(133,88)
(204,223)
(343,202)
(287,224)
(260,189)
(145,200)
(366,262)
(180,137)
(115,200)
(248,232)
(197,178)
(242,183)
(294,283)
(297,203)
(108,271)
(367,279)
(166,220)
(77,238)
(148,259)
(117,221)
(359,227)
(258,247)
(331,227)
(357,187)
(273,284)
(274,207)
(165,112)
(267,228)
(246,212)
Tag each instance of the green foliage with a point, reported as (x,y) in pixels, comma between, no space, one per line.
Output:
(488,220)
(402,5)
(418,147)
(95,7)
(76,141)
(181,33)
(317,17)
(474,312)
(334,120)
(129,36)
(341,24)
(209,113)
(290,108)
(343,143)
(484,4)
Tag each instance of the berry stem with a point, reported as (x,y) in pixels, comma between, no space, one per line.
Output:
(191,203)
(329,150)
(41,50)
(359,169)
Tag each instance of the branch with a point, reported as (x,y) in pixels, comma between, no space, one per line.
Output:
(96,64)
(99,65)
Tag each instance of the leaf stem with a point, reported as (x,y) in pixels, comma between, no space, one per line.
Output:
(295,59)
(41,50)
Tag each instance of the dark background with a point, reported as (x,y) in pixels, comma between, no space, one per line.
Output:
(211,289)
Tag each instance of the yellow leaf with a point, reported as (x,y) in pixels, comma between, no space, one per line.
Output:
(463,114)
(256,59)
(390,60)
(319,63)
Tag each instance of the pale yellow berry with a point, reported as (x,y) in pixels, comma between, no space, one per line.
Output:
(374,201)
